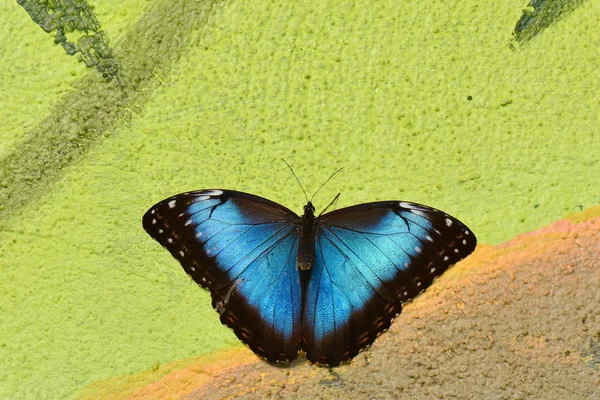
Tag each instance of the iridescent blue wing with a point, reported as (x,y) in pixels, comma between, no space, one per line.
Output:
(243,249)
(369,259)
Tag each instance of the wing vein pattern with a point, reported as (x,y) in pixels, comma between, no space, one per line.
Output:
(242,249)
(371,258)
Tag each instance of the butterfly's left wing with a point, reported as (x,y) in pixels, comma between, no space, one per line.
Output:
(243,249)
(369,259)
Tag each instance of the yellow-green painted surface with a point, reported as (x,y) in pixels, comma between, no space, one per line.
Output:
(213,95)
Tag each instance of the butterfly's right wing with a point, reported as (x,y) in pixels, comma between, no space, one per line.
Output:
(369,259)
(243,249)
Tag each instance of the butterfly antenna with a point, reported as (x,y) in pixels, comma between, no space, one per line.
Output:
(330,204)
(321,187)
(298,180)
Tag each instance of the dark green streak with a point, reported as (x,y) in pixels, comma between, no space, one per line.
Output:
(68,17)
(95,107)
(544,14)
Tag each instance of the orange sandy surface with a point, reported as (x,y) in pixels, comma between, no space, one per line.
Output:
(517,320)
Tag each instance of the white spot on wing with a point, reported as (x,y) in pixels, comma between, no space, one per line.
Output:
(418,212)
(429,238)
(418,249)
(202,198)
(445,258)
(152,212)
(448,222)
(170,240)
(153,221)
(172,203)
(189,221)
(405,205)
(213,192)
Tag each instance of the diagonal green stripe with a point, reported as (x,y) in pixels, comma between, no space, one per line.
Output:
(94,107)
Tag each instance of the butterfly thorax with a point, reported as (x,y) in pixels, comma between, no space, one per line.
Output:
(306,246)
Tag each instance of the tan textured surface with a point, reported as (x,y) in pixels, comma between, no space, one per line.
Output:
(169,381)
(519,320)
(183,381)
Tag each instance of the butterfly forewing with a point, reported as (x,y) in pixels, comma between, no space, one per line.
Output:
(243,249)
(369,259)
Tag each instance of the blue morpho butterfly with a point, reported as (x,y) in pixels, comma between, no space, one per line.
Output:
(327,285)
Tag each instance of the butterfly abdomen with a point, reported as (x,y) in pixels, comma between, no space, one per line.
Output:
(306,245)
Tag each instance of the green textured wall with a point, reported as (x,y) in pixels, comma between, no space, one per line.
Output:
(212,95)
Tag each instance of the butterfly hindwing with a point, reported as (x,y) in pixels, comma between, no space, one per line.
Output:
(369,259)
(243,249)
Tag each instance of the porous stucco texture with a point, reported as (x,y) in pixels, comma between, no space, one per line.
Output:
(432,103)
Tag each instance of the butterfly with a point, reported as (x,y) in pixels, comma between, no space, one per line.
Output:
(327,284)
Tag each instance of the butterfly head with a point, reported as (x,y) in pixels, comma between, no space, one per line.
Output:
(309,209)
